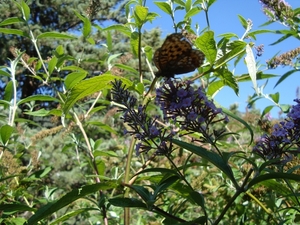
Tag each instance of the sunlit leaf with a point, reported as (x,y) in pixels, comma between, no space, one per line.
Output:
(11,20)
(77,193)
(164,6)
(74,78)
(5,133)
(55,35)
(91,86)
(206,43)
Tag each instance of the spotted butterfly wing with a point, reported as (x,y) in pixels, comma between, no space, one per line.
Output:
(176,56)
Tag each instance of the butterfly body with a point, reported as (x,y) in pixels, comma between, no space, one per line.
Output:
(176,56)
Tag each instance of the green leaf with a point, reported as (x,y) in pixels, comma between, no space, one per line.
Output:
(134,42)
(164,184)
(127,68)
(72,68)
(3,71)
(72,214)
(285,108)
(11,20)
(270,176)
(74,78)
(40,173)
(127,202)
(105,153)
(91,86)
(198,198)
(275,97)
(243,21)
(8,92)
(259,76)
(25,11)
(37,98)
(87,26)
(13,31)
(55,35)
(192,12)
(40,112)
(229,51)
(102,126)
(140,15)
(229,35)
(210,156)
(143,192)
(251,66)
(5,133)
(121,28)
(267,109)
(206,43)
(52,207)
(215,87)
(59,51)
(227,78)
(52,63)
(13,208)
(188,5)
(109,41)
(285,76)
(164,6)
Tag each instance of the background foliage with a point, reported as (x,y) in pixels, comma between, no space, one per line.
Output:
(64,157)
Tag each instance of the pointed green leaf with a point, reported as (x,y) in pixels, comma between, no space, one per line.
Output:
(74,78)
(118,27)
(128,202)
(37,98)
(8,92)
(13,208)
(275,97)
(140,15)
(228,79)
(40,112)
(198,198)
(270,176)
(5,133)
(267,110)
(25,11)
(210,156)
(164,6)
(134,42)
(11,20)
(13,31)
(243,21)
(206,43)
(52,64)
(127,68)
(91,86)
(52,207)
(229,51)
(55,35)
(215,87)
(285,76)
(192,12)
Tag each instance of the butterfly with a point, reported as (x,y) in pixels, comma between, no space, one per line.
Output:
(176,56)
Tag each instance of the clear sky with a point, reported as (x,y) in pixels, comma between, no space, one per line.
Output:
(223,19)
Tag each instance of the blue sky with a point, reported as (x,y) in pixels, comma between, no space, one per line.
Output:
(223,19)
